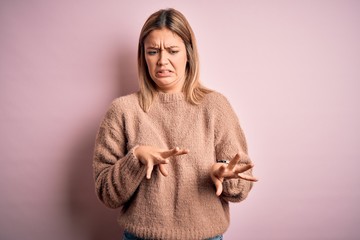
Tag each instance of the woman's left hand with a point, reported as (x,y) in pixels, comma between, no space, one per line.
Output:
(221,171)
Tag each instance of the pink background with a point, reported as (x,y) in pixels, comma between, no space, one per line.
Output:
(291,70)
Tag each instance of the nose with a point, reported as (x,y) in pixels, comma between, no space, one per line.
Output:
(163,58)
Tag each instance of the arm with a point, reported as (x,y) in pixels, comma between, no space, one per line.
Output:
(117,173)
(229,141)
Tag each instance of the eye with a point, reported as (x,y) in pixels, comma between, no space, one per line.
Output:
(152,52)
(173,52)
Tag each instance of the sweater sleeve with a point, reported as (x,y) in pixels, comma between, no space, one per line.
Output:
(230,140)
(117,172)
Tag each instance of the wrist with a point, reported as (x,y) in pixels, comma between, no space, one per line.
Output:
(222,161)
(136,151)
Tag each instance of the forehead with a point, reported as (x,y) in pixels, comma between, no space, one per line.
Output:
(163,37)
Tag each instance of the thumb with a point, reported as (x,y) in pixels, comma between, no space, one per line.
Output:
(218,184)
(219,187)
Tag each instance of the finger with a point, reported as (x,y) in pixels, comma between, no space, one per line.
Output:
(244,168)
(149,170)
(232,164)
(170,152)
(161,160)
(247,177)
(182,152)
(163,170)
(174,152)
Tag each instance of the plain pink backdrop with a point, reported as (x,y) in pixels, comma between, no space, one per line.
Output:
(291,70)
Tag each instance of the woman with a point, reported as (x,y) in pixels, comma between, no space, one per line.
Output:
(171,156)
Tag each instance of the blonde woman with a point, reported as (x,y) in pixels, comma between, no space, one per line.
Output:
(173,155)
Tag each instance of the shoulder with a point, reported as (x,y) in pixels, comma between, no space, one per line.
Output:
(126,102)
(216,100)
(122,105)
(219,106)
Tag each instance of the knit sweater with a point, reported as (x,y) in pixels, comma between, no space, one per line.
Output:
(182,205)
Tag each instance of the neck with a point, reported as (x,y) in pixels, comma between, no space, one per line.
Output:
(170,96)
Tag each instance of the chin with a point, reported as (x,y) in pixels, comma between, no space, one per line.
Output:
(165,83)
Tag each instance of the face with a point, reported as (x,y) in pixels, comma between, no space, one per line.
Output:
(166,59)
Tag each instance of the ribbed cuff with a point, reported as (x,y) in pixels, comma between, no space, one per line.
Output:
(132,168)
(236,190)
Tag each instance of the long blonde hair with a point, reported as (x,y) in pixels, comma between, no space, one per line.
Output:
(177,23)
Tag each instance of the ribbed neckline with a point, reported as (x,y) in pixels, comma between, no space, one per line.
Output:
(170,97)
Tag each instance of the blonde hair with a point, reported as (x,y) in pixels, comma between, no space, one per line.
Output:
(177,23)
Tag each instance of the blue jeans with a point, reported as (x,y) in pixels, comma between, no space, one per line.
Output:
(130,236)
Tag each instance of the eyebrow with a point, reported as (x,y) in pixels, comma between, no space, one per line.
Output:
(157,47)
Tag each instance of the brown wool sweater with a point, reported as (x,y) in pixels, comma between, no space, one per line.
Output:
(182,205)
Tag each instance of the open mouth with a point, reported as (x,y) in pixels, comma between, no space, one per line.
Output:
(163,73)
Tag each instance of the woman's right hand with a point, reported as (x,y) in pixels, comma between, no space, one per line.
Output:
(151,156)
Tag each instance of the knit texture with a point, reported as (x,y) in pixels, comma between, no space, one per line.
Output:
(182,205)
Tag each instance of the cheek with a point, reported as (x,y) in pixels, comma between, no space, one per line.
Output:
(184,60)
(182,63)
(150,65)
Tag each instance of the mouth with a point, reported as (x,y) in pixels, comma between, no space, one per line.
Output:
(163,73)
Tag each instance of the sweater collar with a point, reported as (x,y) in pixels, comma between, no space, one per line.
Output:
(170,97)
